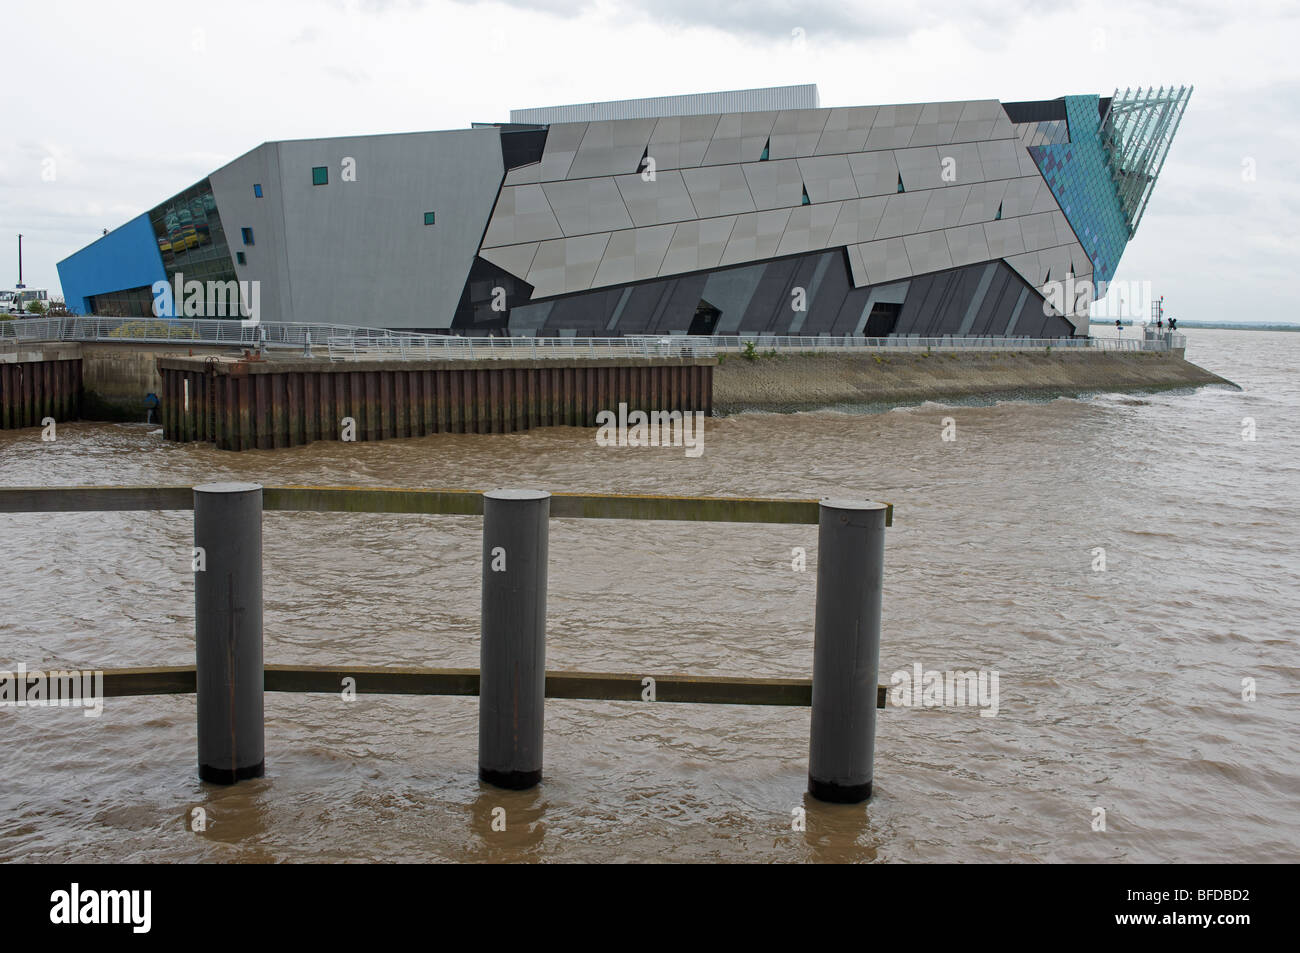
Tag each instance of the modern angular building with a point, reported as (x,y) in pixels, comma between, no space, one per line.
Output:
(752,211)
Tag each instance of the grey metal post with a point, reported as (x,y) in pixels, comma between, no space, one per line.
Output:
(846,649)
(512,658)
(228,631)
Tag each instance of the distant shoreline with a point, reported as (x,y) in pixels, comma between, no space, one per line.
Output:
(1211,327)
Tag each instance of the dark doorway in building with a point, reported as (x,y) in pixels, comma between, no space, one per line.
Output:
(883,317)
(706,318)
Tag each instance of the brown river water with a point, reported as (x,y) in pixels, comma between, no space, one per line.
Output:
(1119,689)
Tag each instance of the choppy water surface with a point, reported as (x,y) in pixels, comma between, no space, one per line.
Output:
(1119,689)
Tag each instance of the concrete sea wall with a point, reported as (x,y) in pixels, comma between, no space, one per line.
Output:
(808,382)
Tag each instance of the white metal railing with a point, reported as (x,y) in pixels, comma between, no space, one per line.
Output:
(347,342)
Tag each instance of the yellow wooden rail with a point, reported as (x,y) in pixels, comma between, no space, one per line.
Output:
(384,680)
(358,499)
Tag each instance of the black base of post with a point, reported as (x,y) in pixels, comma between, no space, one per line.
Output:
(510,780)
(226,776)
(838,793)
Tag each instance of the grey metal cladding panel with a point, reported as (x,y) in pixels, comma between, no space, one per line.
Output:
(983,202)
(893,127)
(522,215)
(932,134)
(1002,128)
(680,142)
(874,173)
(936,124)
(903,212)
(1056,262)
(927,251)
(267,262)
(796,132)
(846,130)
(515,259)
(999,158)
(965,165)
(529,174)
(739,137)
(885,260)
(583,206)
(774,184)
(1064,233)
(611,148)
(1045,201)
(1004,239)
(973,131)
(566,265)
(664,199)
(967,244)
(562,141)
(982,109)
(1020,195)
(718,190)
(732,100)
(1026,162)
(857,267)
(942,112)
(858,220)
(755,236)
(809,228)
(1026,265)
(828,178)
(341,235)
(633,255)
(1038,231)
(944,208)
(697,245)
(920,168)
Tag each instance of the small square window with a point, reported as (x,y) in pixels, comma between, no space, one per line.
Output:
(247,235)
(239,257)
(320,175)
(257,189)
(428,218)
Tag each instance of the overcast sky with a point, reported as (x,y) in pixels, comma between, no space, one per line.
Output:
(109,108)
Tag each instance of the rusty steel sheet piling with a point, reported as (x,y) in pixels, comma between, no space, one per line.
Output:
(247,404)
(38,385)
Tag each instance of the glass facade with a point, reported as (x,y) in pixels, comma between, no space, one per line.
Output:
(1079,175)
(191,238)
(130,303)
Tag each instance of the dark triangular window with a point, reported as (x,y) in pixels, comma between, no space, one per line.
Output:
(998,217)
(645,157)
(900,183)
(767,149)
(805,201)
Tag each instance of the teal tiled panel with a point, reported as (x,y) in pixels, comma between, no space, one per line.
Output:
(1079,177)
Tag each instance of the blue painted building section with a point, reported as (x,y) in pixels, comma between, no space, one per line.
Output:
(126,257)
(1079,175)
